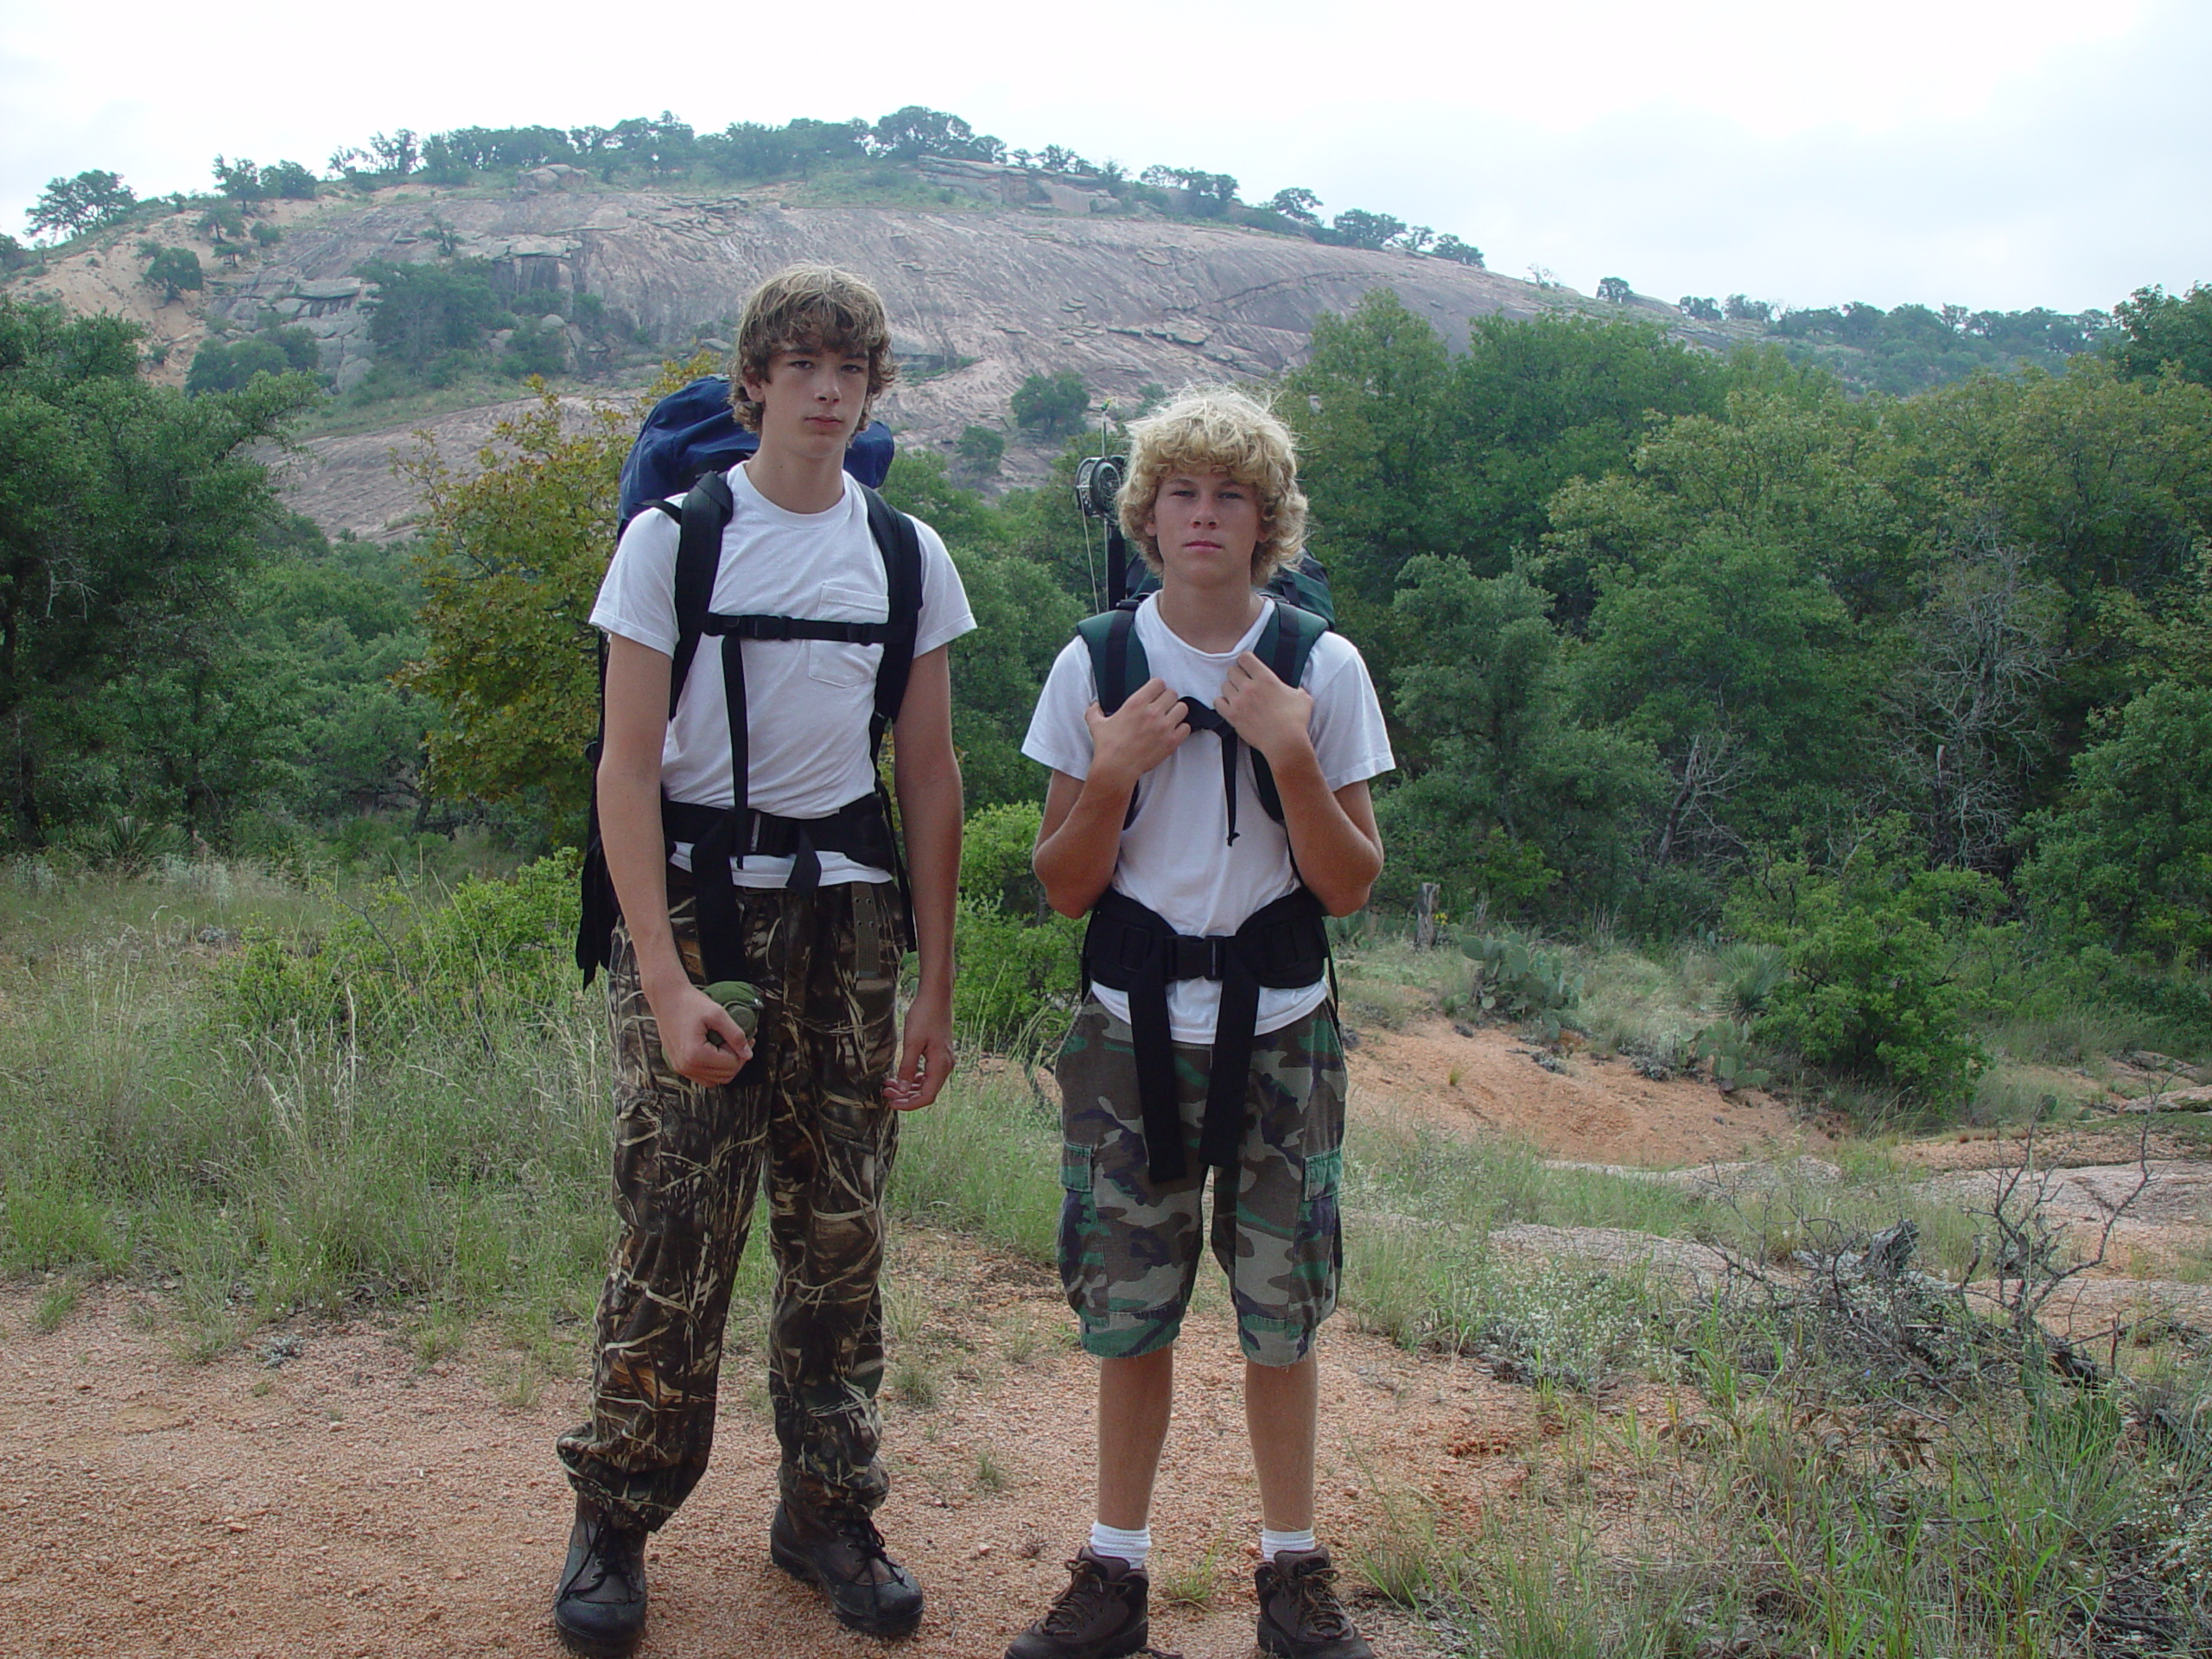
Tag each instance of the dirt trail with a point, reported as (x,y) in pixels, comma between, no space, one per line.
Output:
(351,1501)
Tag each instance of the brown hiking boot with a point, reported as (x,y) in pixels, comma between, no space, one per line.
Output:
(1299,1615)
(842,1554)
(1101,1615)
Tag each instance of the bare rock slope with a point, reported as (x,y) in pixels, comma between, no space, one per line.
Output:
(981,296)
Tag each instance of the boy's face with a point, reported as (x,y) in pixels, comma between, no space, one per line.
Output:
(812,399)
(1206,525)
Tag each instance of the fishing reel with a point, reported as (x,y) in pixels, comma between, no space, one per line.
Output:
(1098,484)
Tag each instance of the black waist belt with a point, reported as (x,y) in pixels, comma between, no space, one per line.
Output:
(858,829)
(1282,946)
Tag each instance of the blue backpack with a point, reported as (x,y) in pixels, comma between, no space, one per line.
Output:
(695,431)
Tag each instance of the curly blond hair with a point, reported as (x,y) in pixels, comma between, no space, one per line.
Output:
(1218,430)
(809,309)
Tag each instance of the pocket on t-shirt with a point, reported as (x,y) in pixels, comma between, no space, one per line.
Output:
(832,662)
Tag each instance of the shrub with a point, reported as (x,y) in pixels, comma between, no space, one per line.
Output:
(2125,861)
(493,956)
(1017,979)
(1051,405)
(1875,950)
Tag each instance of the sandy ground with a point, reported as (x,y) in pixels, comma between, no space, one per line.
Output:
(351,1501)
(1480,1080)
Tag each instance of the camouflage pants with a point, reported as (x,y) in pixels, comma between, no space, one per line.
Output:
(1129,1250)
(808,1111)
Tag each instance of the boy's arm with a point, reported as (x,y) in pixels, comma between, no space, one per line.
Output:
(1332,835)
(926,774)
(630,833)
(1080,841)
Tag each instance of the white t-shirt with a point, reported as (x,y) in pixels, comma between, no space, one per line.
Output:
(1175,859)
(807,701)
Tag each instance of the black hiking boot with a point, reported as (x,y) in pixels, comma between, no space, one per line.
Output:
(600,1607)
(1101,1615)
(1299,1615)
(841,1554)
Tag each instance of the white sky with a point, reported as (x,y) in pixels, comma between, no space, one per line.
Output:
(1995,153)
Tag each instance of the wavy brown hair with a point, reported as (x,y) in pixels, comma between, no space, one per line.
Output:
(809,309)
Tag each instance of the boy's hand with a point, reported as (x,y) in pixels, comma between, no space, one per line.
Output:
(926,1058)
(1274,718)
(699,1039)
(1136,737)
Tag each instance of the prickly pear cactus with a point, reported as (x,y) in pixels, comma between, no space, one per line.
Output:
(1510,979)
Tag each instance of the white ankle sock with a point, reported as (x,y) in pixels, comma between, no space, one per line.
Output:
(1273,1544)
(1121,1543)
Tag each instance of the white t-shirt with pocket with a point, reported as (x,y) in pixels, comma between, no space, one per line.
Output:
(1175,859)
(807,701)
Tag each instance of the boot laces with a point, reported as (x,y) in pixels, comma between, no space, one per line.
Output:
(1314,1592)
(1079,1602)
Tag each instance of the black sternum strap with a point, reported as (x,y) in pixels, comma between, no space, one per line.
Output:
(1200,718)
(1282,946)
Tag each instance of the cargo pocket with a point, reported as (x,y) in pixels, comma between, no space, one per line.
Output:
(1319,1248)
(1078,1224)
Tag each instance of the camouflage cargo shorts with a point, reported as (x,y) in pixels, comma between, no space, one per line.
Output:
(1129,1249)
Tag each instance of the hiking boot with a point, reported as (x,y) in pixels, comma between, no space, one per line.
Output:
(1101,1615)
(1299,1615)
(600,1607)
(841,1553)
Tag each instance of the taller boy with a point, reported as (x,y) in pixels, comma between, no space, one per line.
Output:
(1207,1039)
(813,1098)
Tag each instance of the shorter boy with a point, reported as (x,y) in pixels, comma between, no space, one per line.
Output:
(1206,825)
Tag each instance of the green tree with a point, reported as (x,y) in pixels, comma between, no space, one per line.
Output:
(73,207)
(140,506)
(516,550)
(175,272)
(288,180)
(2159,329)
(422,312)
(1298,203)
(240,180)
(981,449)
(1449,246)
(916,131)
(2124,860)
(1615,290)
(1507,795)
(1740,667)
(1699,308)
(1051,405)
(1357,228)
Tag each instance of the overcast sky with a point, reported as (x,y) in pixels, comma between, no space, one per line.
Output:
(1995,153)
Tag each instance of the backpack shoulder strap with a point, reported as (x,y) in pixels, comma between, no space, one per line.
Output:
(702,518)
(900,544)
(1117,658)
(1286,644)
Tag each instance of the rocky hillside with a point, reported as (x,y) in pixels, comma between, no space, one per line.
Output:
(983,295)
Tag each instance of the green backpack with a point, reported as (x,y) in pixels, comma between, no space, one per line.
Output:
(1118,667)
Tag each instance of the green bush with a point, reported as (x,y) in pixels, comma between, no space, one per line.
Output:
(1019,962)
(493,956)
(2125,864)
(1876,950)
(1017,980)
